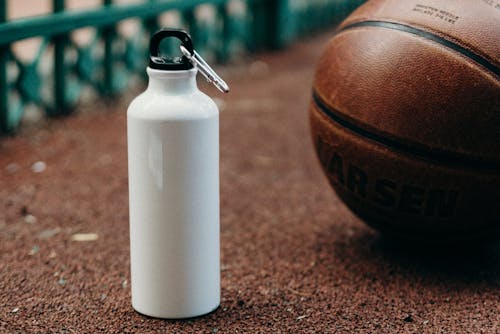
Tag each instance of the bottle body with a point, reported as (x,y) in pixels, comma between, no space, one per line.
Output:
(173,157)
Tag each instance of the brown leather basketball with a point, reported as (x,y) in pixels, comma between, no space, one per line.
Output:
(405,117)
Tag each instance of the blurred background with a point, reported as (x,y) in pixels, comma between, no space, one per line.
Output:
(58,53)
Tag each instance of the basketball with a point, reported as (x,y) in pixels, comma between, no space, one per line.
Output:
(405,117)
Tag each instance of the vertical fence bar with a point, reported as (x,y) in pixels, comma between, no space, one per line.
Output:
(189,17)
(4,89)
(270,24)
(223,52)
(60,105)
(282,24)
(108,34)
(258,32)
(151,23)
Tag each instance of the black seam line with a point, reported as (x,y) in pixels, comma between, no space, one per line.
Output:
(430,36)
(424,153)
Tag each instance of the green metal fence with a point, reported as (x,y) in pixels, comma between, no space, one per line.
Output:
(61,68)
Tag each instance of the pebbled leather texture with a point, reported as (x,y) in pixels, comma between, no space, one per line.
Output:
(411,123)
(472,23)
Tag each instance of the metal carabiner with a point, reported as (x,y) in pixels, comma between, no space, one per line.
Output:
(205,69)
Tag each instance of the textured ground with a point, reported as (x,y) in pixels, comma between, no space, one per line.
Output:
(294,259)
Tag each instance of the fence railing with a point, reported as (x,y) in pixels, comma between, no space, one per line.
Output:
(61,67)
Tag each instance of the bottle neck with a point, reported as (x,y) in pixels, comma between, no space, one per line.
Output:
(172,82)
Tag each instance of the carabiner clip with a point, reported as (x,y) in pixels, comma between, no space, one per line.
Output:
(198,62)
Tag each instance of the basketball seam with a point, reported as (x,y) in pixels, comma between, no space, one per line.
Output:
(447,41)
(443,157)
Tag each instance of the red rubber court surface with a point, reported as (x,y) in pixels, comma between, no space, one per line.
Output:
(294,259)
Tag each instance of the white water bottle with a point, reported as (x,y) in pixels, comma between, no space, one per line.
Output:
(173,161)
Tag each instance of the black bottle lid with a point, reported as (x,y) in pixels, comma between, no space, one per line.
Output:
(157,62)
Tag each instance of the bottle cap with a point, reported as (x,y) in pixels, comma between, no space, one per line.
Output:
(189,59)
(159,62)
